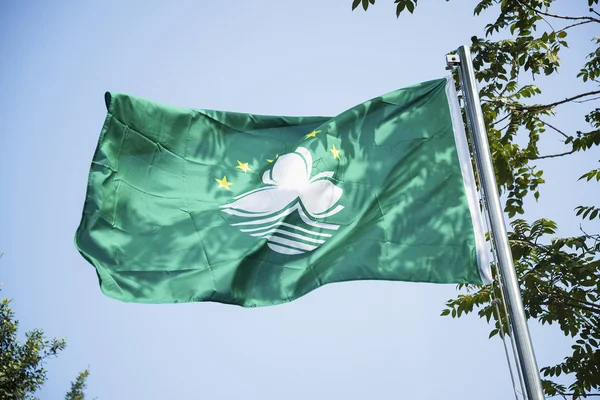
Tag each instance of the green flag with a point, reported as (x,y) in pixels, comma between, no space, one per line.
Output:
(195,205)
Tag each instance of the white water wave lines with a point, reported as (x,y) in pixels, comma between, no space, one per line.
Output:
(301,236)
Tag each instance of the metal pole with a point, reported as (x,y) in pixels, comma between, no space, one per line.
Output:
(483,157)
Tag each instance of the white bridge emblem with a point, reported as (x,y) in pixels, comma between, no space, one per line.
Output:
(290,189)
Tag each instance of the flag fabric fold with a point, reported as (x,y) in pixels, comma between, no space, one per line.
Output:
(188,205)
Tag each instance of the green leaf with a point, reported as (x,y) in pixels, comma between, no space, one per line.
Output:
(355,4)
(400,7)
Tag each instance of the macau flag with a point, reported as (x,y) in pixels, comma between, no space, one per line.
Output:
(188,205)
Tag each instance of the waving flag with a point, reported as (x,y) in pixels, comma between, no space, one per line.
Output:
(196,205)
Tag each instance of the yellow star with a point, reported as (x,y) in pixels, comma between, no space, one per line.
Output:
(243,166)
(336,152)
(276,156)
(312,134)
(223,183)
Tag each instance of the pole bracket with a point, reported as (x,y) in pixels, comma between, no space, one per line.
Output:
(452,60)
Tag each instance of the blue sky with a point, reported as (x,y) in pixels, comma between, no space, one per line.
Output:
(353,340)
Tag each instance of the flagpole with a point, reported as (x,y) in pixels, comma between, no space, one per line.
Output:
(527,361)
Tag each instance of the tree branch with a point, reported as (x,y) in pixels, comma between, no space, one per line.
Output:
(591,305)
(575,24)
(590,19)
(595,237)
(585,319)
(586,100)
(504,127)
(552,155)
(540,12)
(564,298)
(568,300)
(501,119)
(557,103)
(562,302)
(552,127)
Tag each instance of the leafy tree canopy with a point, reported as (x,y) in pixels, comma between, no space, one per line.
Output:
(22,370)
(559,276)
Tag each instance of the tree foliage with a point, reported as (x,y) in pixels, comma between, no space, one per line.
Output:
(22,370)
(78,387)
(559,276)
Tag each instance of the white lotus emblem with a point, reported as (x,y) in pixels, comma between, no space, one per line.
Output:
(289,189)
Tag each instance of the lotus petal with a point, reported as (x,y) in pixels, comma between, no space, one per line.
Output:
(307,159)
(320,196)
(290,170)
(266,178)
